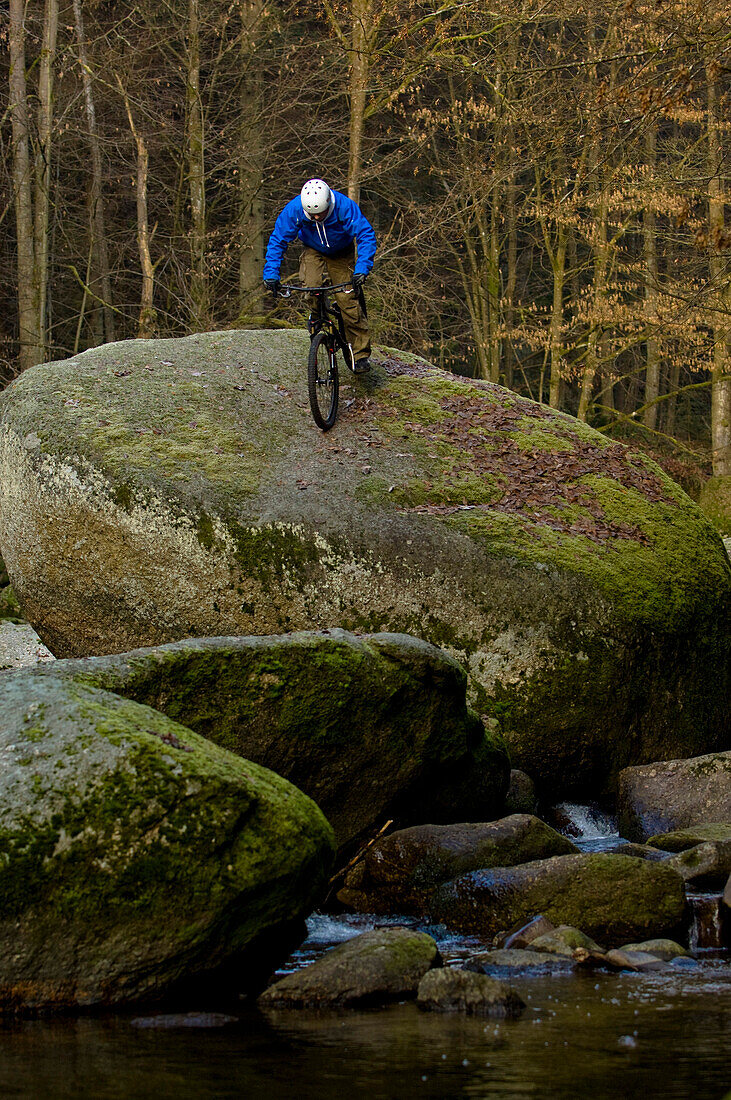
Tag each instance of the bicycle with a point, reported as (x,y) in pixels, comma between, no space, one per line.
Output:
(327,336)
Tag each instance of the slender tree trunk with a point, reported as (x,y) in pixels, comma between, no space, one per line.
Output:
(721,382)
(96,197)
(555,333)
(652,349)
(362,16)
(594,341)
(511,225)
(42,178)
(493,284)
(196,174)
(30,337)
(251,167)
(147,324)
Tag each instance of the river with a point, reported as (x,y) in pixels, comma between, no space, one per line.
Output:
(589,1034)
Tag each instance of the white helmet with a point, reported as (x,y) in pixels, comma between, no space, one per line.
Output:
(317,198)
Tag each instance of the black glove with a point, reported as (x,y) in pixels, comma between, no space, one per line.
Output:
(358,279)
(273,285)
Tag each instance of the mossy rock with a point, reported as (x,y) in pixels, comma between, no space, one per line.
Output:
(715,501)
(136,855)
(400,872)
(369,727)
(611,898)
(384,965)
(680,840)
(179,488)
(671,795)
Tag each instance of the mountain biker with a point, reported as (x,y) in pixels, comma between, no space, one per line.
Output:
(331,227)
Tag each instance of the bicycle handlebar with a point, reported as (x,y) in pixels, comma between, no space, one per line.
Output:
(310,289)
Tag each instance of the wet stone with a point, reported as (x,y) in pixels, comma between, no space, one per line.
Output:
(661,949)
(517,959)
(474,994)
(564,940)
(373,968)
(621,959)
(708,863)
(525,935)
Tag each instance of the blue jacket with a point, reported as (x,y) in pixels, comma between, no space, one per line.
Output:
(344,225)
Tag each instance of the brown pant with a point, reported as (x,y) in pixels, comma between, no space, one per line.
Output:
(313,269)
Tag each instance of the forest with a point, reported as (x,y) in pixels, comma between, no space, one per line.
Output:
(548,181)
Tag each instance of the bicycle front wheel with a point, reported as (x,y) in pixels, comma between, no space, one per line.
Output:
(322,381)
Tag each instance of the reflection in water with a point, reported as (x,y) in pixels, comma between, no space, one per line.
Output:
(586,1034)
(600,1035)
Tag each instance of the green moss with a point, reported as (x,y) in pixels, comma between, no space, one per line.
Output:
(205,531)
(271,552)
(124,496)
(715,501)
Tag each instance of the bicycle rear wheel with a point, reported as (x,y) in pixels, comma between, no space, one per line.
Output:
(323,382)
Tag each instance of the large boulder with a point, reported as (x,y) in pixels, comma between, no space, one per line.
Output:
(669,795)
(369,727)
(610,898)
(136,855)
(151,491)
(400,872)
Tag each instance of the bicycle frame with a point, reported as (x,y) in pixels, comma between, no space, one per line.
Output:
(324,314)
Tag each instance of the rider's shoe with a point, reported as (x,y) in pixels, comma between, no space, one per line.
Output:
(362,366)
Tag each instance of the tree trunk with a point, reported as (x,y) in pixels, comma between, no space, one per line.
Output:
(42,180)
(362,16)
(251,168)
(652,350)
(720,380)
(555,335)
(511,226)
(96,198)
(196,174)
(147,324)
(30,337)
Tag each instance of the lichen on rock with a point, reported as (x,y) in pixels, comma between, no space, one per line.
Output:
(157,490)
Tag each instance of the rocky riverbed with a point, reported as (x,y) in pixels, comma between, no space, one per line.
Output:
(172,814)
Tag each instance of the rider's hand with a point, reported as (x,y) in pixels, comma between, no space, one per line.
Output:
(273,285)
(358,279)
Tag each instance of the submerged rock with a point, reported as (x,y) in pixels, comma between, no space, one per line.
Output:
(612,898)
(137,855)
(517,959)
(370,727)
(400,872)
(453,990)
(178,488)
(373,968)
(172,1021)
(672,794)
